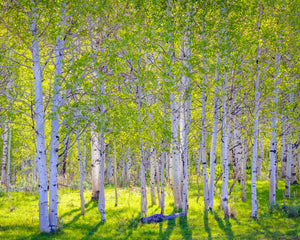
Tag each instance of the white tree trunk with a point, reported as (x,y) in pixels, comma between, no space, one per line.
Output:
(175,169)
(203,125)
(213,149)
(9,159)
(157,179)
(289,157)
(256,122)
(152,175)
(288,171)
(260,156)
(128,167)
(273,143)
(39,120)
(101,203)
(225,132)
(243,170)
(284,149)
(142,164)
(54,143)
(163,160)
(185,111)
(4,153)
(84,156)
(115,174)
(95,145)
(80,172)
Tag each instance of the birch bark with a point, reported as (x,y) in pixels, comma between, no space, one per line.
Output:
(256,122)
(95,147)
(174,152)
(289,157)
(273,144)
(225,132)
(4,153)
(80,172)
(185,111)
(39,120)
(152,175)
(213,149)
(54,143)
(203,124)
(9,160)
(142,165)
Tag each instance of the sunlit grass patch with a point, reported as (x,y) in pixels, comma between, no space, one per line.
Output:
(19,216)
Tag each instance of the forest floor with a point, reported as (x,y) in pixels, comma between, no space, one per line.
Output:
(19,216)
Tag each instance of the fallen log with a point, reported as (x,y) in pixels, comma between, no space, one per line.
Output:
(157,217)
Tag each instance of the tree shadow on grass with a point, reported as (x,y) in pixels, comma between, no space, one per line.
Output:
(92,231)
(94,203)
(207,228)
(184,228)
(133,224)
(226,228)
(165,234)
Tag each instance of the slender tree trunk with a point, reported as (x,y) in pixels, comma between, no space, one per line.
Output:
(39,120)
(4,153)
(54,144)
(225,135)
(260,156)
(128,167)
(80,172)
(243,170)
(185,111)
(256,122)
(175,170)
(213,149)
(115,174)
(163,160)
(101,204)
(9,159)
(152,175)
(284,149)
(65,155)
(95,145)
(273,144)
(288,171)
(142,164)
(14,175)
(109,169)
(84,156)
(293,164)
(289,157)
(203,125)
(157,180)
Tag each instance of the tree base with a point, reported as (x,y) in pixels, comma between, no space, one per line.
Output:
(157,217)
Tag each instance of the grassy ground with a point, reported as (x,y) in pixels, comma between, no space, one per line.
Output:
(19,217)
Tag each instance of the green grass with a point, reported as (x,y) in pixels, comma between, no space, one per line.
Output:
(19,217)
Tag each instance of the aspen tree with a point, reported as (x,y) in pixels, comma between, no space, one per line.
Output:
(256,122)
(39,120)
